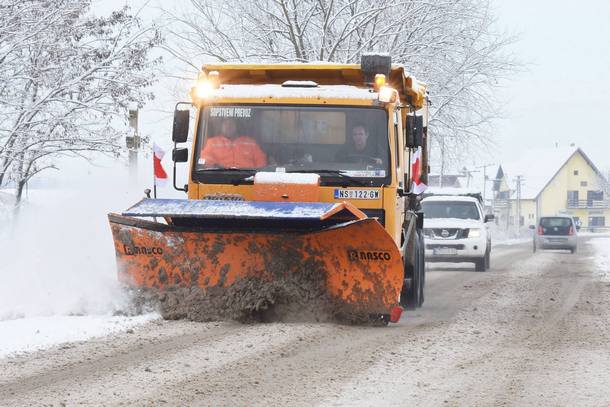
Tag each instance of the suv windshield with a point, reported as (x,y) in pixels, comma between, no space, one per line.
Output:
(338,142)
(448,209)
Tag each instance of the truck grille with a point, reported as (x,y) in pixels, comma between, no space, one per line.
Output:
(375,213)
(446,233)
(444,246)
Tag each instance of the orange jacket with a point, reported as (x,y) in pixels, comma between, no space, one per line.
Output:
(242,152)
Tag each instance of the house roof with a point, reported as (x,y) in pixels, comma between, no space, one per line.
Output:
(539,167)
(498,180)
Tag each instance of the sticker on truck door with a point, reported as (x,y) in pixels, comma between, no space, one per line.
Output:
(341,193)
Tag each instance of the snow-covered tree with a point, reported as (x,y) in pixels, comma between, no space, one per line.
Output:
(449,43)
(66,78)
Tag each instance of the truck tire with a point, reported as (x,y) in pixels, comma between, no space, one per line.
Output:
(479,264)
(488,259)
(422,257)
(412,297)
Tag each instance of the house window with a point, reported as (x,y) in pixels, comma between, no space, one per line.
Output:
(572,199)
(583,183)
(575,172)
(597,221)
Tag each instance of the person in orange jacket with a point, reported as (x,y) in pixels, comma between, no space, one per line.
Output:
(228,150)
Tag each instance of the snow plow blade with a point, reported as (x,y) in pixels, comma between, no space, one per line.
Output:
(216,245)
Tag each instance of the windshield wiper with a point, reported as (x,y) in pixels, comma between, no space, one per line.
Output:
(338,173)
(231,169)
(245,173)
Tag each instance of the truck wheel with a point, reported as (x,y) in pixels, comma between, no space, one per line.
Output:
(479,264)
(422,267)
(410,298)
(488,259)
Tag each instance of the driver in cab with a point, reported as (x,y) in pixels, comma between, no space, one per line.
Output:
(358,149)
(228,150)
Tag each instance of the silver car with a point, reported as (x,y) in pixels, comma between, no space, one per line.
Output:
(556,232)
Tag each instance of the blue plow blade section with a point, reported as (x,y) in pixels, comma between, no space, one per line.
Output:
(211,209)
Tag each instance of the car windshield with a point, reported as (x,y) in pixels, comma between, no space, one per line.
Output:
(555,222)
(348,141)
(448,209)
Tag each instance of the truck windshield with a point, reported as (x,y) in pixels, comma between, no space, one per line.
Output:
(448,209)
(349,141)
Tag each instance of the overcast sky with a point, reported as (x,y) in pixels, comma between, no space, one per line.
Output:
(563,95)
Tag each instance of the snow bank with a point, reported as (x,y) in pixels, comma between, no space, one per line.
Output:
(6,205)
(57,255)
(602,256)
(29,334)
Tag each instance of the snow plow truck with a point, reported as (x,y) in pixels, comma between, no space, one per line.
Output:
(296,172)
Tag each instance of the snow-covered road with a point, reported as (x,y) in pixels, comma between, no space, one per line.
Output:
(532,331)
(29,334)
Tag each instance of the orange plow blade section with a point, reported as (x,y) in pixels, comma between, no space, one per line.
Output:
(216,246)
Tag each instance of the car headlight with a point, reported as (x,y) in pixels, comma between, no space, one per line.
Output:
(474,233)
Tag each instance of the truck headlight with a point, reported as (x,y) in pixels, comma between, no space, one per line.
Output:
(474,232)
(204,89)
(387,94)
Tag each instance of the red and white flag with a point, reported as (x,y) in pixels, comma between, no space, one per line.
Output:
(418,186)
(160,174)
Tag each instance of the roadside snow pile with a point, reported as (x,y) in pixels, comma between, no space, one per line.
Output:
(602,256)
(57,259)
(6,207)
(26,335)
(56,254)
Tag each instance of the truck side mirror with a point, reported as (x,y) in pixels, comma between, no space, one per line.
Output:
(180,129)
(180,155)
(489,217)
(415,131)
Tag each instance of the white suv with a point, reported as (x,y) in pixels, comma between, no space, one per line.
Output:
(456,230)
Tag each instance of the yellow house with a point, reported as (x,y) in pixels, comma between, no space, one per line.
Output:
(550,182)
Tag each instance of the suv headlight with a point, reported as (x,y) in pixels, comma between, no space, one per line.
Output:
(474,232)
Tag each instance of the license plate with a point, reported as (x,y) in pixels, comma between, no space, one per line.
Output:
(444,251)
(356,193)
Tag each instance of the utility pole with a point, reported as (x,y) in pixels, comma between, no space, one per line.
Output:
(484,179)
(518,209)
(133,142)
(468,175)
